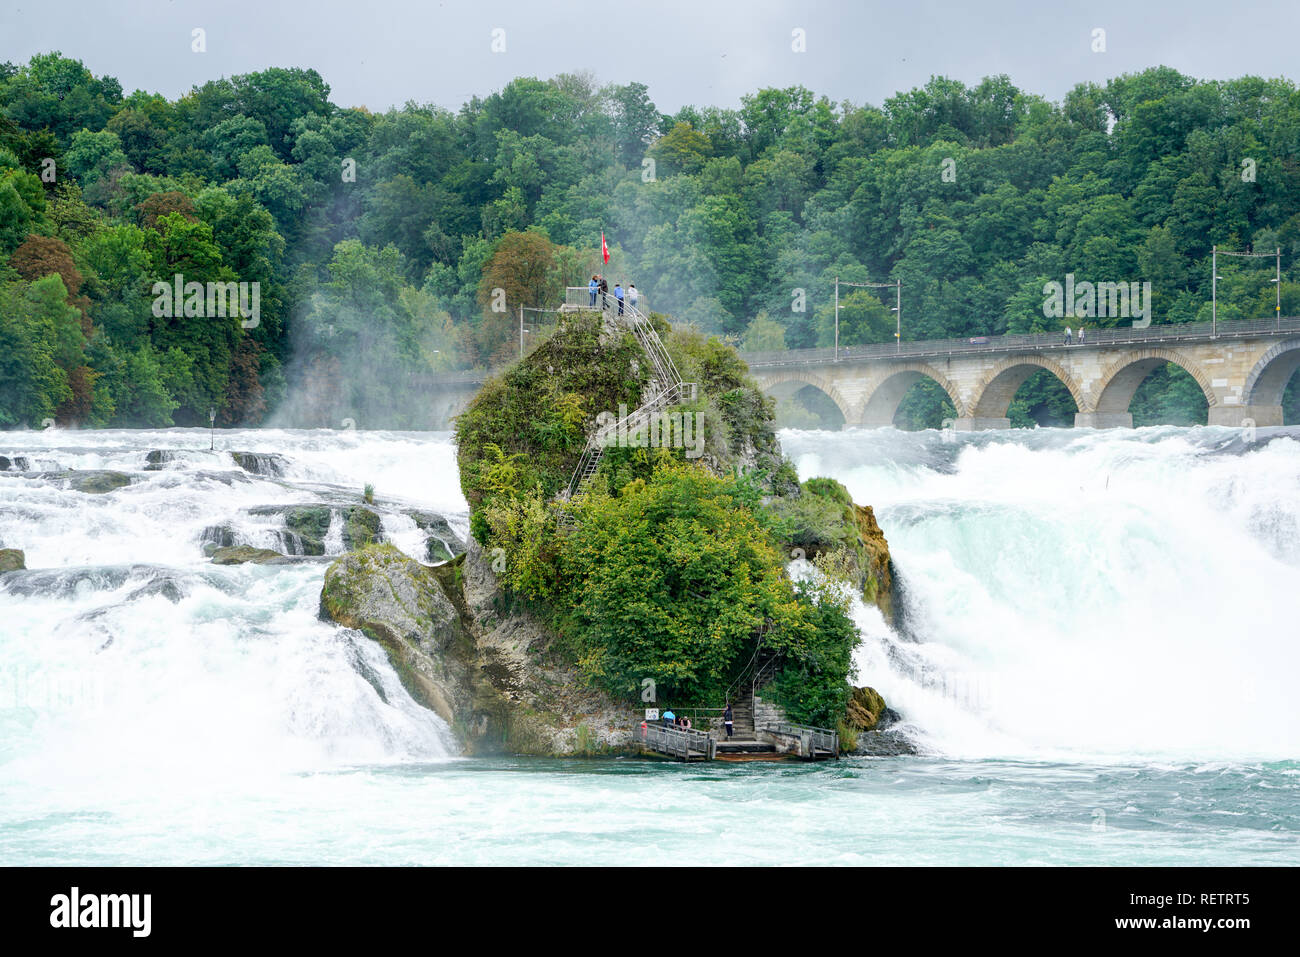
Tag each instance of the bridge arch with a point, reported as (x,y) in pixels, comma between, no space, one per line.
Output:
(993,395)
(1268,379)
(881,404)
(1119,382)
(798,378)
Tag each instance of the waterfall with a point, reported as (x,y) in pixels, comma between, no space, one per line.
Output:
(1082,594)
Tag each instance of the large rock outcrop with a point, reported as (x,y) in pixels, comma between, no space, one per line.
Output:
(490,675)
(876,576)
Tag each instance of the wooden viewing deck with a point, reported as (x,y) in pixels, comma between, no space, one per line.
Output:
(777,742)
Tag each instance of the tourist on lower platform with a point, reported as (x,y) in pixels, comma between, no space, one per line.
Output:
(728,721)
(604,293)
(618,294)
(1081,335)
(1067,335)
(632,295)
(592,288)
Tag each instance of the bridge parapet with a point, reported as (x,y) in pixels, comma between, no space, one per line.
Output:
(1242,368)
(1038,342)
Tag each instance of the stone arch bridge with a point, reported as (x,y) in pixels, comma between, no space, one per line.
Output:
(1241,367)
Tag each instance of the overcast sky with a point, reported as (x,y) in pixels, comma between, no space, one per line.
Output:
(381,53)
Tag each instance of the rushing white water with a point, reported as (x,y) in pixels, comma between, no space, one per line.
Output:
(128,660)
(1078,595)
(1095,624)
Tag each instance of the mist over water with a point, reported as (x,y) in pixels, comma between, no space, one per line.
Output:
(1091,621)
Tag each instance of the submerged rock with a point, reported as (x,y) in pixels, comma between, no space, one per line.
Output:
(441,543)
(883,744)
(310,524)
(97,482)
(12,560)
(305,529)
(241,554)
(217,536)
(170,588)
(18,463)
(158,459)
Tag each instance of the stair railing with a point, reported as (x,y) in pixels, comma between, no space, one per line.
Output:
(666,389)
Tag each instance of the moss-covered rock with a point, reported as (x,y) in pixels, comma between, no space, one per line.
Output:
(242,554)
(361,527)
(528,425)
(311,523)
(12,560)
(866,707)
(875,566)
(568,569)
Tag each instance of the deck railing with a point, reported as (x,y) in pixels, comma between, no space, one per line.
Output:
(579,297)
(817,739)
(677,742)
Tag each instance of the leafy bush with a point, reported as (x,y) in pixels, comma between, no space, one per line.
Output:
(671,580)
(813,685)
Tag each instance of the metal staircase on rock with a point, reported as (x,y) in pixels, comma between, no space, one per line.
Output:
(664,389)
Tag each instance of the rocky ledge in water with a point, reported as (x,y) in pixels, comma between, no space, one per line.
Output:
(303,529)
(91,481)
(148,580)
(494,678)
(874,723)
(12,560)
(16,463)
(243,554)
(261,463)
(883,744)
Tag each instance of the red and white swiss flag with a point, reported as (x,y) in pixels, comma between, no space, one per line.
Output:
(604,247)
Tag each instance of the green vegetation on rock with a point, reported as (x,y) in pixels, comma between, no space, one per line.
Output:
(672,570)
(361,527)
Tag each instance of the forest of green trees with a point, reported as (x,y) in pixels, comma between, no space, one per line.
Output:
(377,239)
